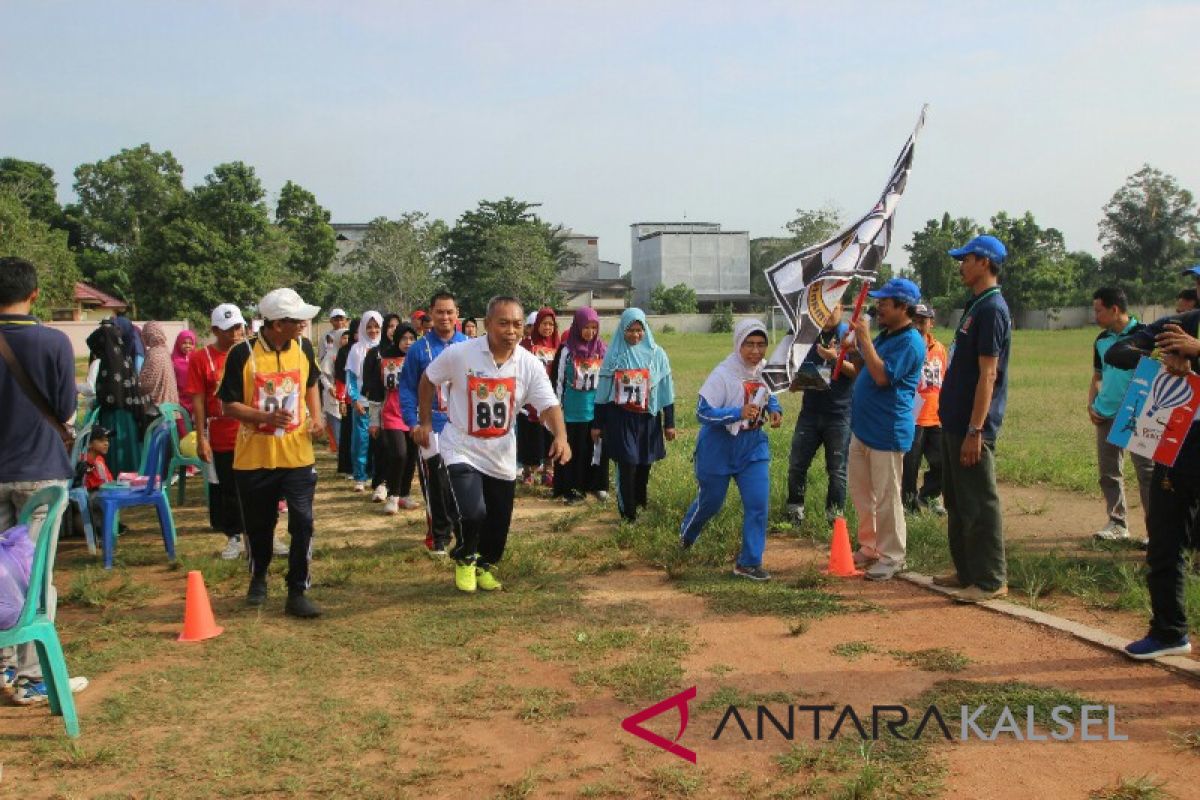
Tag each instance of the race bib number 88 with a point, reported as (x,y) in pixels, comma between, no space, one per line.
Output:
(490,406)
(632,389)
(278,391)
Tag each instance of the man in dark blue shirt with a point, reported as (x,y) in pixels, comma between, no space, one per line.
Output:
(824,421)
(32,454)
(1174,511)
(974,394)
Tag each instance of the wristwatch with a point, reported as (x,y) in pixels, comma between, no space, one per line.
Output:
(974,430)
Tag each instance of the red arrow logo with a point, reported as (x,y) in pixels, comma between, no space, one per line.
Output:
(633,724)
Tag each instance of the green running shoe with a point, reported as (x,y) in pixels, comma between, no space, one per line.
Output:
(464,577)
(486,580)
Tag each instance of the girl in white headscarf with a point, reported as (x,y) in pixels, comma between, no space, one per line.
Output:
(734,404)
(370,328)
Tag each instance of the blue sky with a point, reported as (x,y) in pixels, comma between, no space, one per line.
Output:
(614,112)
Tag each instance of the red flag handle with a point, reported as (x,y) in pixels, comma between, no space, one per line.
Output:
(858,304)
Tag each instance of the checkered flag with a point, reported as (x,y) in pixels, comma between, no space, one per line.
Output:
(807,284)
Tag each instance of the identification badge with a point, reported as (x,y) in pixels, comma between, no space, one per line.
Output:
(490,406)
(389,369)
(587,372)
(278,391)
(631,388)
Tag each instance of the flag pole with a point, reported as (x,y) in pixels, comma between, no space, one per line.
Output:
(858,304)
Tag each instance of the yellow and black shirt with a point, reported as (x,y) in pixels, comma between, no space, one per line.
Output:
(261,377)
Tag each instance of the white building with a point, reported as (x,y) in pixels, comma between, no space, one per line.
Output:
(591,282)
(715,263)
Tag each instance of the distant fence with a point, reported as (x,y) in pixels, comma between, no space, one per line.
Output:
(78,332)
(1055,319)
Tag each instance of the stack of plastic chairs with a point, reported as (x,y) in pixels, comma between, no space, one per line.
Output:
(34,624)
(154,493)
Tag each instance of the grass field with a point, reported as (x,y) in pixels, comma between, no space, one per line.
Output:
(391,694)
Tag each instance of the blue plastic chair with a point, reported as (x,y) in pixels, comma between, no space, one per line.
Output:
(34,624)
(154,493)
(79,495)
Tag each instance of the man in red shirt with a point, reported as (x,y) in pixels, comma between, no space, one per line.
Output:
(216,434)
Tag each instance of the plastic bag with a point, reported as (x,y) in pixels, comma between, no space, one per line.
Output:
(16,560)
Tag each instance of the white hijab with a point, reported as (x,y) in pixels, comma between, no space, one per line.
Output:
(354,360)
(725,384)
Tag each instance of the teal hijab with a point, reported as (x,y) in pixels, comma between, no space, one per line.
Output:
(645,355)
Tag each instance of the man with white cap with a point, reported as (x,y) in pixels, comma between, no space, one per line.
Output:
(216,433)
(270,387)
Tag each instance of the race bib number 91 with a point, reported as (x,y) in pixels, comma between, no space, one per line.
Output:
(490,406)
(631,388)
(278,391)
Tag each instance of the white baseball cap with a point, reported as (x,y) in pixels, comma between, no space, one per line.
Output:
(226,316)
(285,304)
(531,319)
(338,312)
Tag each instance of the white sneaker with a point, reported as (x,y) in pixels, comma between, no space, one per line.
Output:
(360,487)
(380,493)
(391,505)
(280,547)
(408,503)
(1112,532)
(233,549)
(602,496)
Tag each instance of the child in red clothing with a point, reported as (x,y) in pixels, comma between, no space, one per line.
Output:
(97,473)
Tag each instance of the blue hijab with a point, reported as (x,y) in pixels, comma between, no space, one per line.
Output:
(645,355)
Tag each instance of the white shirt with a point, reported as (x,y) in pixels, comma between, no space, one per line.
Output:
(482,401)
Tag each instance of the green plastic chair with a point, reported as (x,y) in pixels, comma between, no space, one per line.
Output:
(179,462)
(34,625)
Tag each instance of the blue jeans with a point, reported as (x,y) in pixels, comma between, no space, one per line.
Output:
(754,484)
(812,432)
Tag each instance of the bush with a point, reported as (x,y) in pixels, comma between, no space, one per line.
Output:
(722,319)
(679,299)
(667,329)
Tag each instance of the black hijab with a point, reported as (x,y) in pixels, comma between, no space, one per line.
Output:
(339,362)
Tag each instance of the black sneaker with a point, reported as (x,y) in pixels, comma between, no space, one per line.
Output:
(298,605)
(753,573)
(257,595)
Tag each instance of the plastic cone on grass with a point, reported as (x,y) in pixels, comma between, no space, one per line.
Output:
(841,557)
(198,622)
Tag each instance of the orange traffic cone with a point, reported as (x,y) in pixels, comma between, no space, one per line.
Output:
(841,558)
(198,622)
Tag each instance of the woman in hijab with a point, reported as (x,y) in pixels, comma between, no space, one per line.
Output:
(345,427)
(157,378)
(532,443)
(734,404)
(381,384)
(122,407)
(574,373)
(132,340)
(635,408)
(369,330)
(185,343)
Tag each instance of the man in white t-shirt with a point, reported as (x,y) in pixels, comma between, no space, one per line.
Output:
(486,381)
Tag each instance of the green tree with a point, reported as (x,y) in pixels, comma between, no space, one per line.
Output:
(216,246)
(516,260)
(679,299)
(393,268)
(1149,231)
(34,240)
(468,260)
(808,227)
(311,242)
(33,184)
(932,268)
(123,199)
(1038,272)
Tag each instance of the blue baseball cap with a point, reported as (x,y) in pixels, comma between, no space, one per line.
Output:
(1193,271)
(901,289)
(987,246)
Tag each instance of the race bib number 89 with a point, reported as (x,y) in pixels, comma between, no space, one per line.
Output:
(632,389)
(490,406)
(278,391)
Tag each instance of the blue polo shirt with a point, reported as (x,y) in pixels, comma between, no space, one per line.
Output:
(1113,381)
(882,416)
(985,329)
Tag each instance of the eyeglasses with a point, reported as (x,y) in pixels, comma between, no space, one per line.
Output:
(755,345)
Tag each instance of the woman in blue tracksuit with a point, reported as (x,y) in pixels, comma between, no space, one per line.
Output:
(734,404)
(369,331)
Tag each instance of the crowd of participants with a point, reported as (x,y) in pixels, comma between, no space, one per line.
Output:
(473,408)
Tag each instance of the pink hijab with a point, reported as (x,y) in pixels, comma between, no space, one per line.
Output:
(179,360)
